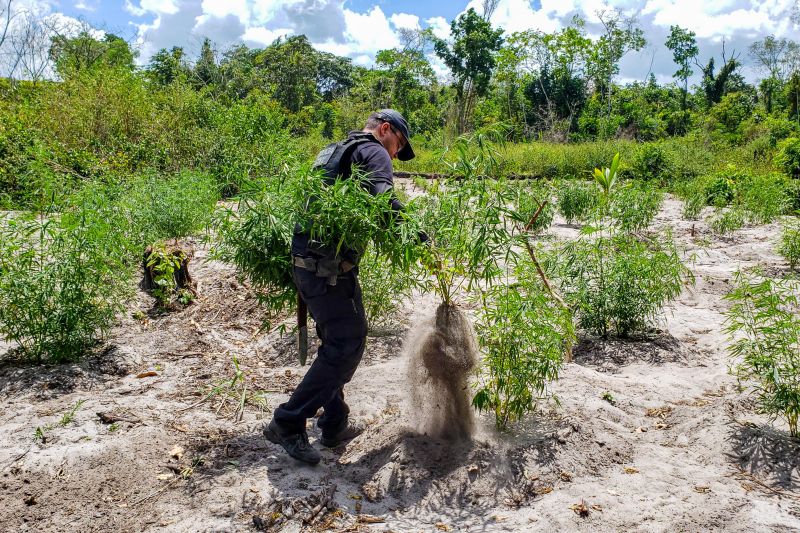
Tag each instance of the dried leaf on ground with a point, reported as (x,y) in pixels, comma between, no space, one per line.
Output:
(580,509)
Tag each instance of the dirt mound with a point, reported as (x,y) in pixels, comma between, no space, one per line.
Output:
(442,351)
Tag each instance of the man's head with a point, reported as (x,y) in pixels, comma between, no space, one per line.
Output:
(391,129)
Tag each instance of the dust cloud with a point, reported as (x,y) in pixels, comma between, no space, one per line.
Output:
(442,350)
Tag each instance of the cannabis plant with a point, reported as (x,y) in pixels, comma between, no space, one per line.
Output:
(256,236)
(764,325)
(524,335)
(634,205)
(576,200)
(620,284)
(63,278)
(789,246)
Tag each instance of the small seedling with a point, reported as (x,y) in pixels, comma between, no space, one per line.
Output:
(607,396)
(69,416)
(113,427)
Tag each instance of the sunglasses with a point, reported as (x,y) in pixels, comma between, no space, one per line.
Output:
(399,136)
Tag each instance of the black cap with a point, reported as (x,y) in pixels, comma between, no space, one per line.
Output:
(396,119)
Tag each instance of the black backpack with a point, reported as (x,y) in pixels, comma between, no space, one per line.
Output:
(335,160)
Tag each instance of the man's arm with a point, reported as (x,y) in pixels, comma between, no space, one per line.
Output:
(376,164)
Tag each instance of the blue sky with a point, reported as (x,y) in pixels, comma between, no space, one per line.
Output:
(359,28)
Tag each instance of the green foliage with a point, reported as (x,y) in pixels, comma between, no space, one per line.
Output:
(788,156)
(471,54)
(576,200)
(789,246)
(523,335)
(763,197)
(163,264)
(764,326)
(607,178)
(167,207)
(607,396)
(721,190)
(651,162)
(619,284)
(634,205)
(63,278)
(256,236)
(385,287)
(727,220)
(73,55)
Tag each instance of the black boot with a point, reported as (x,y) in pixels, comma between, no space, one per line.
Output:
(349,432)
(295,444)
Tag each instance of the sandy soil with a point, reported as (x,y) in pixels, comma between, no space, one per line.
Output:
(680,449)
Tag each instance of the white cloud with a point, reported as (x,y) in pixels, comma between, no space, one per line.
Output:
(404,20)
(369,32)
(440,27)
(223,8)
(262,36)
(83,5)
(167,7)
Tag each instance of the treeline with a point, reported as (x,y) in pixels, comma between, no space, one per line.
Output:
(240,113)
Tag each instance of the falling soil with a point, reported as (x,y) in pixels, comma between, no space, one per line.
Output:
(442,351)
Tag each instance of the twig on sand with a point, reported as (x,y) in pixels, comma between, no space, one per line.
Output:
(17,458)
(156,492)
(750,477)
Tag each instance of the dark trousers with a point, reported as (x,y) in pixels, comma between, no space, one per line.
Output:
(338,311)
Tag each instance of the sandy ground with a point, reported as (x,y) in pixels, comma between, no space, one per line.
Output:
(681,448)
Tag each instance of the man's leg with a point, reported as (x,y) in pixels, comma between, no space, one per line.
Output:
(341,324)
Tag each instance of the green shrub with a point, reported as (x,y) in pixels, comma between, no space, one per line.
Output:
(529,197)
(63,279)
(694,196)
(619,284)
(651,162)
(727,220)
(789,246)
(793,197)
(788,157)
(634,206)
(524,336)
(576,200)
(171,207)
(764,197)
(720,190)
(764,327)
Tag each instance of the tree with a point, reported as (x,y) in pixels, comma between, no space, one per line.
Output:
(470,57)
(621,36)
(206,71)
(72,55)
(553,67)
(775,58)
(684,48)
(725,81)
(167,66)
(239,74)
(290,70)
(30,43)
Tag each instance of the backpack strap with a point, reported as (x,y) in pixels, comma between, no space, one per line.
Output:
(335,160)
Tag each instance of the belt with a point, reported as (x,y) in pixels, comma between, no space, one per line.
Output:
(310,264)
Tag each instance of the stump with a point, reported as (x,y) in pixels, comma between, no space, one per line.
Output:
(180,254)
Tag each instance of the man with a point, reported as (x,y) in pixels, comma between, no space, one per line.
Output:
(328,284)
